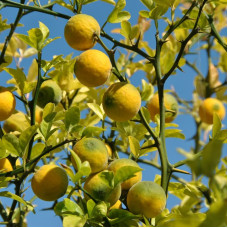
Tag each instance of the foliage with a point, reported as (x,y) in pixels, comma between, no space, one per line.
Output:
(80,112)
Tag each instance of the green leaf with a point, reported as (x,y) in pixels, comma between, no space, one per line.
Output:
(74,221)
(48,41)
(76,159)
(97,109)
(144,13)
(211,156)
(107,178)
(134,146)
(66,207)
(147,91)
(12,196)
(26,136)
(26,39)
(117,15)
(118,215)
(3,153)
(85,170)
(148,3)
(48,109)
(72,117)
(92,131)
(37,150)
(157,12)
(11,144)
(125,173)
(19,77)
(174,133)
(90,204)
(109,1)
(69,172)
(125,29)
(164,3)
(44,29)
(217,125)
(216,216)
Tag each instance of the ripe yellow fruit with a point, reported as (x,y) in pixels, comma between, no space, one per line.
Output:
(80,32)
(50,182)
(5,165)
(117,205)
(7,103)
(109,150)
(49,92)
(38,114)
(170,104)
(92,68)
(121,101)
(208,107)
(99,189)
(118,163)
(146,198)
(92,150)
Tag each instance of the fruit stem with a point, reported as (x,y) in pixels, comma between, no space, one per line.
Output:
(111,54)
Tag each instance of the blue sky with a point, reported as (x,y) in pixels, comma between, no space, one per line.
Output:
(182,82)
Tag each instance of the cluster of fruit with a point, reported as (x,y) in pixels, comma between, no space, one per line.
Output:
(143,197)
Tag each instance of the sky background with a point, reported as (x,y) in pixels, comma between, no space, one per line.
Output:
(182,82)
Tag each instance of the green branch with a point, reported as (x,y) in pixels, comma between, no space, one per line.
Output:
(8,3)
(13,27)
(194,31)
(132,48)
(184,18)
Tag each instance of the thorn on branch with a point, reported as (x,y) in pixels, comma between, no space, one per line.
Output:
(180,171)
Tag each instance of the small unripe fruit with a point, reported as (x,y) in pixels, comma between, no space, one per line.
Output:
(146,198)
(49,92)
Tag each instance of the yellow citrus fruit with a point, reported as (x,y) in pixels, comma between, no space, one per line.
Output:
(92,68)
(5,165)
(109,150)
(92,150)
(100,190)
(210,106)
(80,32)
(7,103)
(118,163)
(50,182)
(49,92)
(170,104)
(146,198)
(121,101)
(117,205)
(38,114)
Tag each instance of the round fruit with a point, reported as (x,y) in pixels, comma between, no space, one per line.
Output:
(122,101)
(38,114)
(118,163)
(100,190)
(92,150)
(146,198)
(5,165)
(92,68)
(109,150)
(170,104)
(117,205)
(80,32)
(49,92)
(7,103)
(50,182)
(208,107)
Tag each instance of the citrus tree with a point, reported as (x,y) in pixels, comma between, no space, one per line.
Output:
(80,131)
